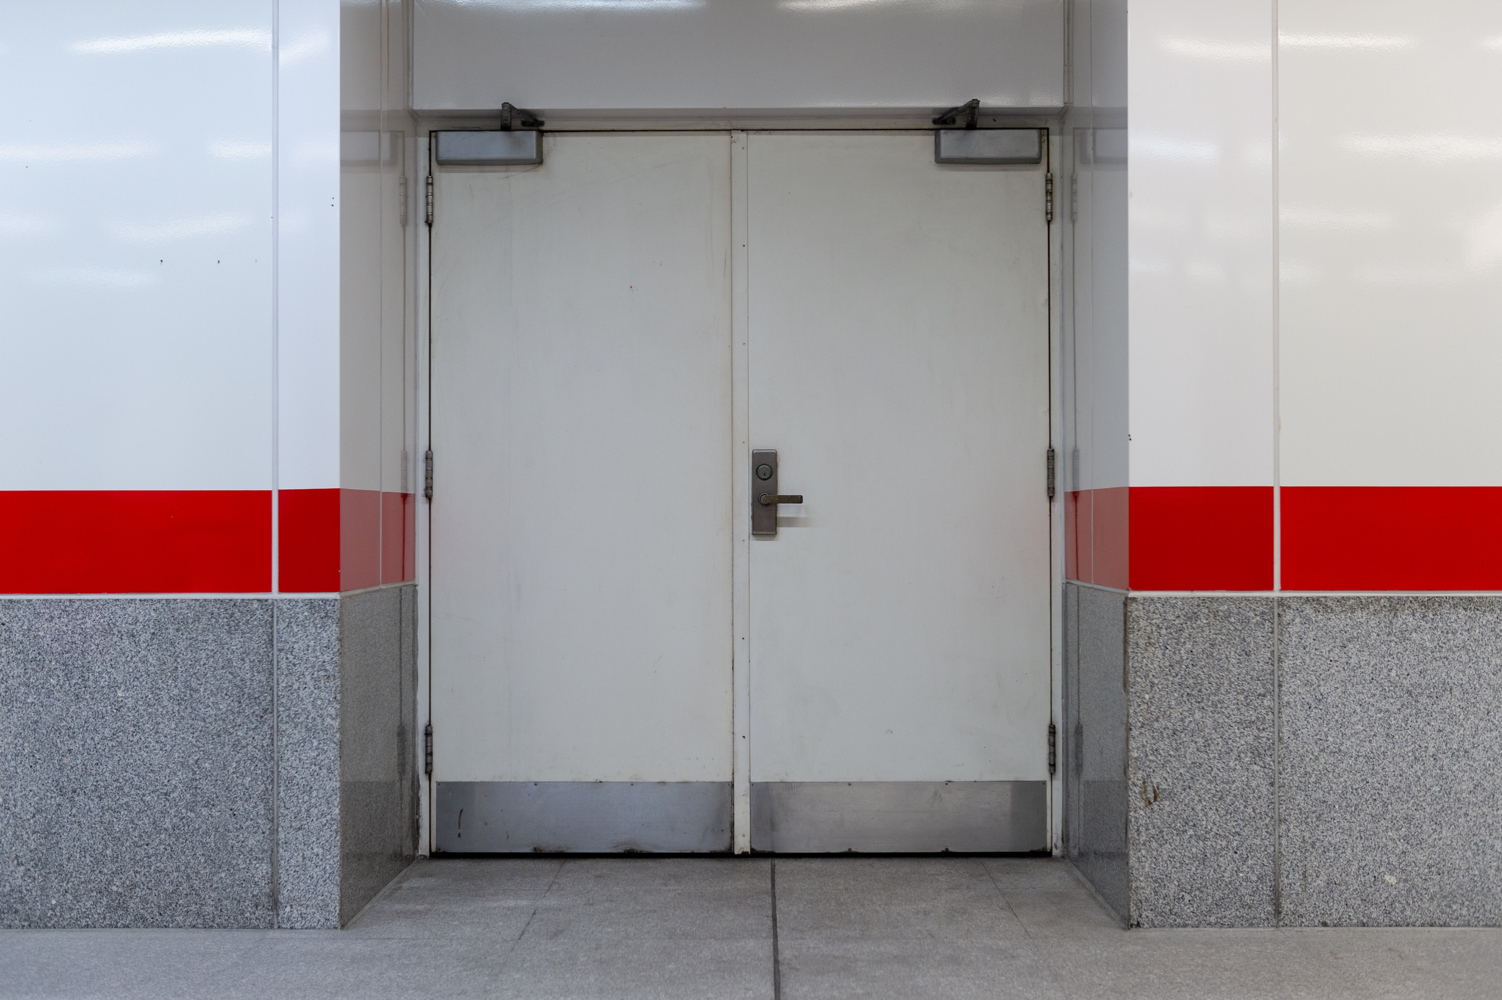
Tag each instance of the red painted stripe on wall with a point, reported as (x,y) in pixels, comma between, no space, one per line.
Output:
(308,537)
(398,537)
(1202,538)
(1095,536)
(1111,537)
(1171,537)
(1077,507)
(359,539)
(334,540)
(1392,537)
(136,541)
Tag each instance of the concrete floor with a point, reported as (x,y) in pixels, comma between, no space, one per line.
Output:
(703,928)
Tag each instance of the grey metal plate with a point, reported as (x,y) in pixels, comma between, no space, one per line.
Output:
(819,817)
(763,517)
(499,817)
(988,145)
(494,148)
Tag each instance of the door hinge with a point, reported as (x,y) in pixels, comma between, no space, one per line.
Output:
(427,474)
(1048,196)
(401,198)
(429,199)
(1052,466)
(1053,748)
(427,751)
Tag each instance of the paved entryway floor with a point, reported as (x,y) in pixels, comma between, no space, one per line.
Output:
(702,928)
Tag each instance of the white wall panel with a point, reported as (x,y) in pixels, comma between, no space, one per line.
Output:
(360,245)
(135,246)
(1202,251)
(308,233)
(376,388)
(398,341)
(607,54)
(1391,240)
(1093,203)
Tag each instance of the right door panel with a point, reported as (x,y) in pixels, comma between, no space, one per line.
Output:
(898,358)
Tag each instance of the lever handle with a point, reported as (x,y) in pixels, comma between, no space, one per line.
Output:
(769,499)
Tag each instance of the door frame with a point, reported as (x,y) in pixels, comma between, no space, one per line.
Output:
(1055,151)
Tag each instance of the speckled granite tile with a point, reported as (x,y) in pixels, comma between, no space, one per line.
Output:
(1093,743)
(307,631)
(136,783)
(1200,771)
(377,791)
(1392,749)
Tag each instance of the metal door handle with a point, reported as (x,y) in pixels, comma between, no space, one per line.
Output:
(764,495)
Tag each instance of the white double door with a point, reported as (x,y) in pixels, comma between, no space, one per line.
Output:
(618,663)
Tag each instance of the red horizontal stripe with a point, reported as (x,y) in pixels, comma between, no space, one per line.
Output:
(1392,537)
(1077,536)
(335,540)
(136,542)
(1202,538)
(1111,537)
(308,550)
(1095,536)
(359,539)
(398,537)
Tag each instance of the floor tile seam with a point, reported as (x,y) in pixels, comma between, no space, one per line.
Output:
(1037,954)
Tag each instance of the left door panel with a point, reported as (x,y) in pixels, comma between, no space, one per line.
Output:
(581,548)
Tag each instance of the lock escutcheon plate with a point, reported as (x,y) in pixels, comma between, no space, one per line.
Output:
(763,480)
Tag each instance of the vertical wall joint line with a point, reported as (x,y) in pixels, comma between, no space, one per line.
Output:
(1277,553)
(276,229)
(276,240)
(1277,428)
(1277,762)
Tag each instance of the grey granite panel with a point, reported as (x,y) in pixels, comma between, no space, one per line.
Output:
(377,792)
(1391,755)
(1200,775)
(307,637)
(136,782)
(1093,744)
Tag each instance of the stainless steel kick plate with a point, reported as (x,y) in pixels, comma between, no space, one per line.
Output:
(899,817)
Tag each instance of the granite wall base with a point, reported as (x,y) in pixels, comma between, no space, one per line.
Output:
(217,762)
(1200,815)
(138,778)
(1093,745)
(1288,761)
(1391,761)
(377,780)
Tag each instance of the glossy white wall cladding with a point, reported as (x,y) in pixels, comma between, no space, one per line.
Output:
(308,244)
(1093,210)
(737,54)
(376,165)
(1092,214)
(136,246)
(1202,243)
(172,215)
(1390,242)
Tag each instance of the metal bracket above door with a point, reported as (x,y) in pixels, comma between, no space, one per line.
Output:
(988,145)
